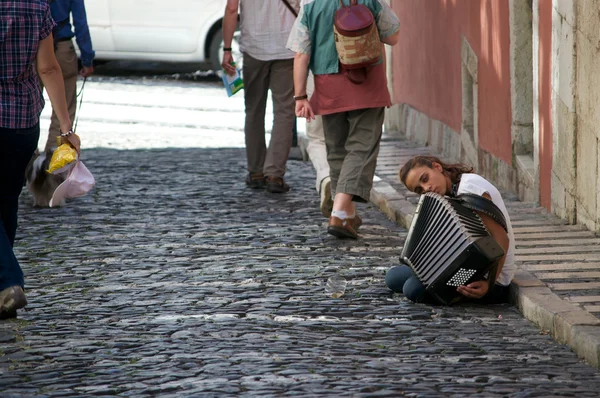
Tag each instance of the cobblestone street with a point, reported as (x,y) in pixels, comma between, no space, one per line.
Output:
(173,279)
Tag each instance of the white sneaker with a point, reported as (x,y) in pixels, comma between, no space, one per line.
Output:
(326,201)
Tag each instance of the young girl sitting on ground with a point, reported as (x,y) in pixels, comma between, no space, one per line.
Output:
(423,174)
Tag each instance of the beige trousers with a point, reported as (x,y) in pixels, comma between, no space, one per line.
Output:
(352,140)
(260,77)
(317,151)
(67,59)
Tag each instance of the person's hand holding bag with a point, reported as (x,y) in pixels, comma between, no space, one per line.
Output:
(73,139)
(66,155)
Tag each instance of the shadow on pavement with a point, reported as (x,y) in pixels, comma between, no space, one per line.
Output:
(156,70)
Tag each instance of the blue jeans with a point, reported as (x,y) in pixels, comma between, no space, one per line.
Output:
(402,279)
(16,149)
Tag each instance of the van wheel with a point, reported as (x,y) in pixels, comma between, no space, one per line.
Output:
(216,50)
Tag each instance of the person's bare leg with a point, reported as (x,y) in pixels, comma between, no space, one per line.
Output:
(343,202)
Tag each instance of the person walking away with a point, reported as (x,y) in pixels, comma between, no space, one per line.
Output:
(352,113)
(26,44)
(62,10)
(264,28)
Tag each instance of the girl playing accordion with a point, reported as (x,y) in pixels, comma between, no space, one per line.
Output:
(423,174)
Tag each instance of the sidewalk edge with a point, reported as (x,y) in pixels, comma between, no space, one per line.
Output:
(567,322)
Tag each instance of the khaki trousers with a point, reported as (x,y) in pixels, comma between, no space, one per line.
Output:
(259,77)
(317,151)
(352,140)
(67,59)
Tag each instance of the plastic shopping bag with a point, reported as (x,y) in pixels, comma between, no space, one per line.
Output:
(79,182)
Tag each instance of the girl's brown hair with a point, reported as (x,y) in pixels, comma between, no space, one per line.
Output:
(451,170)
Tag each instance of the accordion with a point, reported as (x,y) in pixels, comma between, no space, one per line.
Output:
(448,244)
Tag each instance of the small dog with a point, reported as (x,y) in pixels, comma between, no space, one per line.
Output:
(40,183)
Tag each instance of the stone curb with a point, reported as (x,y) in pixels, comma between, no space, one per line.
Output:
(565,321)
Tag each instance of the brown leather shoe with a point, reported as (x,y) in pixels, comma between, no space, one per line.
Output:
(276,185)
(342,228)
(356,222)
(11,299)
(255,180)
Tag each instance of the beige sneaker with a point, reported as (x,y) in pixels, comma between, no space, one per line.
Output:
(11,299)
(326,200)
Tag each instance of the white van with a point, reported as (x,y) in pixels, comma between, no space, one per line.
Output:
(158,30)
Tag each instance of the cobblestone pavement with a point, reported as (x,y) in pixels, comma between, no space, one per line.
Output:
(557,285)
(173,279)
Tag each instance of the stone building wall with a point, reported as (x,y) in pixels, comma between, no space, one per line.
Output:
(586,105)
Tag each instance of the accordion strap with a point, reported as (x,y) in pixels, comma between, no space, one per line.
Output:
(483,205)
(492,276)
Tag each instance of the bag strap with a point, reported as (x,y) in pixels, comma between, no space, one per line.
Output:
(80,95)
(357,76)
(288,5)
(352,3)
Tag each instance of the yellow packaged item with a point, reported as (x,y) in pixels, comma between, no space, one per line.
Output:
(63,159)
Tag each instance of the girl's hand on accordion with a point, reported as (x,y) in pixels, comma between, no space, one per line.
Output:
(474,290)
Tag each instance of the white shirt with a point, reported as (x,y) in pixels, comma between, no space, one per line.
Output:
(265,26)
(476,184)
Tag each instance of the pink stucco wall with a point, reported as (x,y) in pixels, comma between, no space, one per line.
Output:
(427,64)
(545,100)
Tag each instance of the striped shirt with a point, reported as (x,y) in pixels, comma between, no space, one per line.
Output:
(23,24)
(264,28)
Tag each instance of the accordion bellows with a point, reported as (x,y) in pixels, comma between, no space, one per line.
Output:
(448,246)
